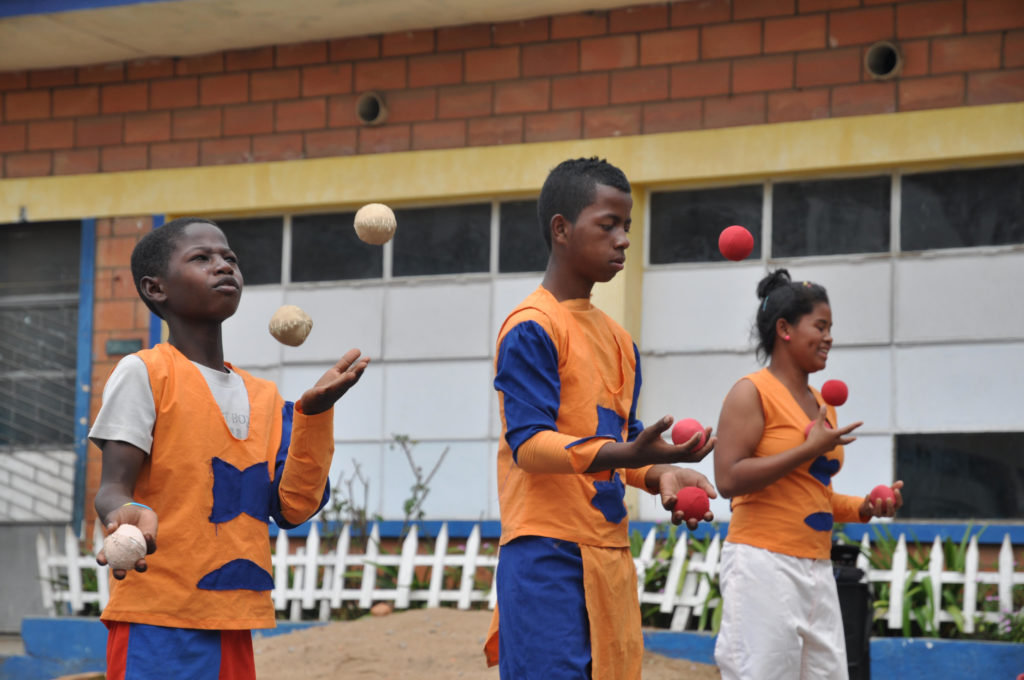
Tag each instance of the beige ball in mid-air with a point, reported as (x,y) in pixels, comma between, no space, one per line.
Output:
(290,325)
(375,223)
(124,547)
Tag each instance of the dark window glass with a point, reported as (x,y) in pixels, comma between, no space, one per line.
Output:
(326,248)
(39,258)
(521,244)
(256,242)
(831,217)
(962,208)
(685,224)
(452,239)
(961,476)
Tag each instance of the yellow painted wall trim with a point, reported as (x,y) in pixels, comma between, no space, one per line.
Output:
(919,139)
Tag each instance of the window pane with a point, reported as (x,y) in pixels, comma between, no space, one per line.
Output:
(685,224)
(522,247)
(41,257)
(831,217)
(326,248)
(452,239)
(961,476)
(257,243)
(962,208)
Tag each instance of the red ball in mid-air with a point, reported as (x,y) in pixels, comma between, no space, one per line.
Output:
(735,243)
(692,502)
(882,493)
(686,428)
(834,392)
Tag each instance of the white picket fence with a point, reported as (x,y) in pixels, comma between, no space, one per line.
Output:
(308,581)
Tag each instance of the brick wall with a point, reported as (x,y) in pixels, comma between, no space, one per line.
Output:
(662,67)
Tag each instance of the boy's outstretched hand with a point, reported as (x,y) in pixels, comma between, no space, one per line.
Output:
(651,440)
(333,384)
(143,518)
(670,479)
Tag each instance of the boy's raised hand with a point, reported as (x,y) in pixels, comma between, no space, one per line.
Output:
(651,442)
(333,384)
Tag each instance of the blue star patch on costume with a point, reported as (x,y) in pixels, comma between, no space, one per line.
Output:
(819,521)
(609,424)
(609,499)
(237,574)
(823,469)
(240,491)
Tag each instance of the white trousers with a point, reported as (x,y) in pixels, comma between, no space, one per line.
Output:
(780,617)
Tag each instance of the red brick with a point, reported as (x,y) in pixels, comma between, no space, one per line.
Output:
(124,97)
(76,101)
(174,155)
(517,32)
(572,92)
(669,47)
(550,127)
(178,93)
(276,84)
(405,43)
(798,105)
(521,96)
(996,87)
(637,19)
(324,143)
(697,12)
(112,314)
(1013,49)
(147,127)
(579,25)
(931,93)
(938,17)
(113,251)
(672,116)
(914,55)
(341,111)
(380,74)
(495,130)
(994,15)
(435,69)
(347,49)
(304,114)
(100,73)
(124,158)
(861,26)
(758,74)
(746,109)
(51,134)
(731,40)
(967,53)
(326,79)
(227,151)
(13,137)
(699,80)
(794,33)
(602,54)
(196,124)
(466,37)
(149,69)
(287,147)
(384,139)
(439,135)
(828,68)
(612,122)
(248,119)
(495,63)
(639,85)
(407,106)
(98,131)
(13,80)
(26,105)
(756,9)
(552,58)
(36,164)
(249,60)
(299,54)
(864,99)
(200,65)
(76,162)
(51,77)
(464,101)
(224,88)
(823,5)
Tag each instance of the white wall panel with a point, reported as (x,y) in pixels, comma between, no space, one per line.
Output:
(437,400)
(507,292)
(463,487)
(343,318)
(247,342)
(859,294)
(438,321)
(358,414)
(370,459)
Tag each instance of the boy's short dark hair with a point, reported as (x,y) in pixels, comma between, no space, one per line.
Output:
(572,186)
(153,251)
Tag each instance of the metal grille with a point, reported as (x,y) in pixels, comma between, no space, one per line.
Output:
(38,337)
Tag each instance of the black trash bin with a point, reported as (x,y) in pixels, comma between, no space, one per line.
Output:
(855,605)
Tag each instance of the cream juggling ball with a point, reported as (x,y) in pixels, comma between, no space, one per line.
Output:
(375,223)
(124,547)
(290,325)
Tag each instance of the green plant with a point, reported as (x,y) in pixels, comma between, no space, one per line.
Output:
(412,507)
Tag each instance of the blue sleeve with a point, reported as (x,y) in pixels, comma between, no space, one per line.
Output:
(527,375)
(635,426)
(282,453)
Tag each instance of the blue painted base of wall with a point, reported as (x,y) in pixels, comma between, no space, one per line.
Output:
(63,646)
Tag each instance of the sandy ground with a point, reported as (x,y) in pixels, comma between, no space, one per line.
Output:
(420,644)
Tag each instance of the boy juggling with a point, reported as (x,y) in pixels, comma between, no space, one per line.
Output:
(568,380)
(210,453)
